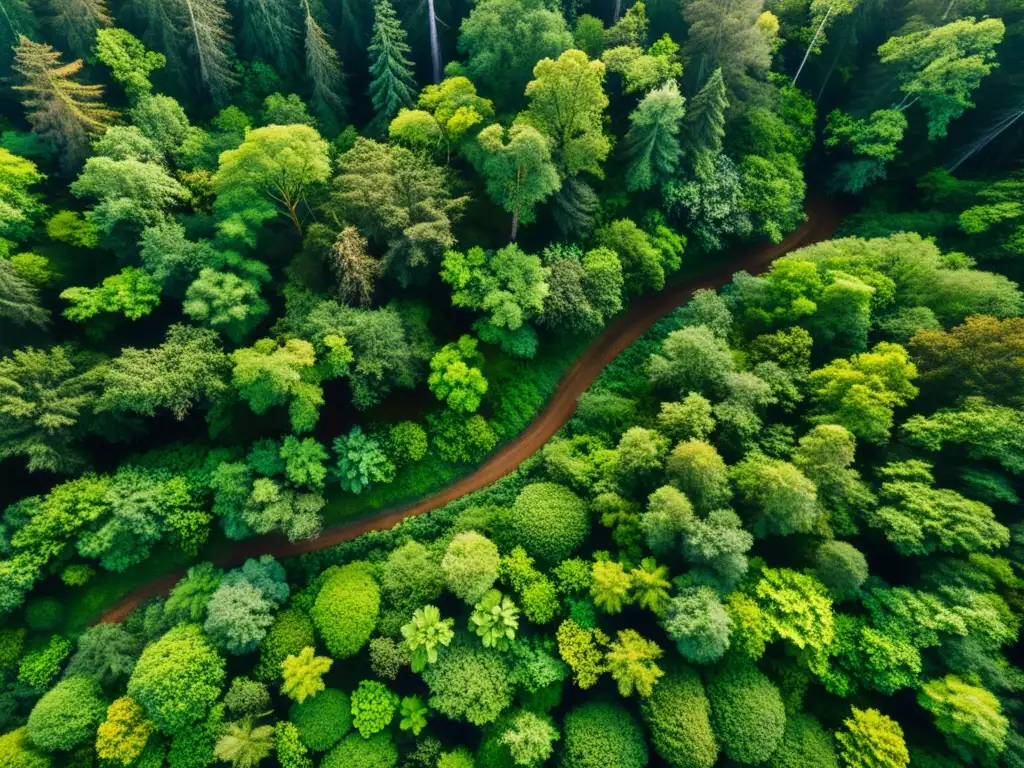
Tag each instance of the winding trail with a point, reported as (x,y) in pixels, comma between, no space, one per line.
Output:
(822,222)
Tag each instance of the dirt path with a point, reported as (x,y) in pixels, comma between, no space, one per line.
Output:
(823,220)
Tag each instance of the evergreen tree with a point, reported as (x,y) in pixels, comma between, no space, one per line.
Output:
(324,71)
(652,144)
(391,80)
(703,124)
(208,24)
(16,19)
(61,110)
(268,32)
(76,21)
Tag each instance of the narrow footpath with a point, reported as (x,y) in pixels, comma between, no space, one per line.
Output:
(822,222)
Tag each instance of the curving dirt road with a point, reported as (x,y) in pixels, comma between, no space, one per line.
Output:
(822,222)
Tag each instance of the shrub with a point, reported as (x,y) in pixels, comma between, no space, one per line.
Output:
(469,683)
(805,743)
(872,740)
(16,751)
(678,717)
(841,567)
(459,758)
(39,667)
(747,712)
(346,609)
(378,751)
(122,737)
(699,625)
(388,657)
(549,521)
(697,470)
(247,697)
(291,631)
(411,577)
(67,715)
(77,575)
(470,566)
(598,735)
(373,707)
(43,614)
(291,752)
(107,652)
(177,679)
(322,719)
(12,642)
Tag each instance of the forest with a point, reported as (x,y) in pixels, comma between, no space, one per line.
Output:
(271,270)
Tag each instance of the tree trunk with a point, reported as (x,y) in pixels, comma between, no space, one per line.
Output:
(435,46)
(515,223)
(618,10)
(817,33)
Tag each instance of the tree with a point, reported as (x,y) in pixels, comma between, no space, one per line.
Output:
(652,145)
(986,431)
(177,679)
(303,674)
(373,707)
(872,142)
(67,715)
(447,115)
(495,619)
(354,269)
(747,712)
(942,67)
(508,284)
(643,263)
(631,662)
(599,734)
(861,393)
(518,169)
(391,73)
(129,62)
(872,740)
(697,470)
(782,501)
(237,617)
(322,720)
(323,67)
(106,653)
(566,104)
(609,586)
(17,751)
(207,24)
(805,743)
(246,697)
(225,302)
(698,624)
(413,713)
(504,39)
(549,521)
(60,109)
(692,359)
(470,566)
(584,290)
(270,173)
(530,738)
(356,752)
(773,193)
(469,683)
(796,608)
(709,199)
(455,376)
(19,299)
(841,567)
(43,394)
(970,717)
(425,634)
(269,32)
(650,586)
(678,717)
(361,462)
(399,199)
(19,204)
(704,121)
(346,609)
(291,752)
(245,744)
(726,36)
(291,631)
(123,735)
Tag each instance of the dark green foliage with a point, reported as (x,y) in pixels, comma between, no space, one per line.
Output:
(678,717)
(596,735)
(67,715)
(547,520)
(805,743)
(378,751)
(322,719)
(746,711)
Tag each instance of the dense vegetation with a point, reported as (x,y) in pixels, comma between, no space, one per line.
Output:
(267,264)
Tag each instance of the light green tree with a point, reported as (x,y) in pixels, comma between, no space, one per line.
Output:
(425,633)
(303,674)
(631,662)
(495,620)
(455,376)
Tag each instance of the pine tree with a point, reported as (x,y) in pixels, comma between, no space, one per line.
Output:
(324,70)
(162,27)
(76,21)
(268,32)
(652,144)
(704,122)
(353,268)
(16,19)
(64,112)
(208,24)
(391,80)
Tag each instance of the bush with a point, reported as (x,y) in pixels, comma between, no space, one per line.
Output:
(107,652)
(247,697)
(378,751)
(696,468)
(469,683)
(16,751)
(67,715)
(39,667)
(411,578)
(43,614)
(805,743)
(291,631)
(549,521)
(747,712)
(678,716)
(373,707)
(470,566)
(841,567)
(322,719)
(598,735)
(177,679)
(346,609)
(697,622)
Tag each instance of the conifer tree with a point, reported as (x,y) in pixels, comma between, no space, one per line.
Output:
(392,85)
(162,30)
(208,24)
(324,70)
(16,19)
(268,32)
(76,21)
(704,122)
(652,144)
(61,110)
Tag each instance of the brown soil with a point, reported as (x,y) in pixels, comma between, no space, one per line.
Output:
(822,222)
